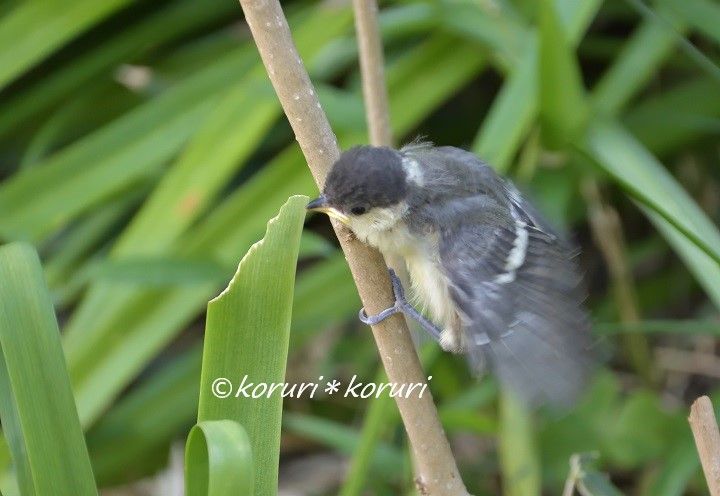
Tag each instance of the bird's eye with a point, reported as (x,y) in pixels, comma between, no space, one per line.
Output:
(358,210)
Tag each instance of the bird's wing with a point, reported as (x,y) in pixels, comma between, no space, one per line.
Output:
(519,295)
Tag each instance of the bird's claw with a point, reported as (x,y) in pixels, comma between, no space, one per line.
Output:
(400,302)
(401,305)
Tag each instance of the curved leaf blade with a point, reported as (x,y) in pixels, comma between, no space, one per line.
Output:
(218,460)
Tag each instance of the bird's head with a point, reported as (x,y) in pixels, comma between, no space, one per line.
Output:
(365,190)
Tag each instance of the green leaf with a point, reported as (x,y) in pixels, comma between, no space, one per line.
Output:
(676,470)
(105,350)
(34,30)
(588,481)
(445,64)
(173,21)
(563,110)
(133,439)
(636,64)
(695,107)
(246,339)
(597,484)
(513,111)
(101,363)
(218,460)
(53,192)
(704,15)
(669,207)
(211,157)
(511,114)
(36,403)
(158,271)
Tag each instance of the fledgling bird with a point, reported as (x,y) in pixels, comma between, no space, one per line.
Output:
(500,284)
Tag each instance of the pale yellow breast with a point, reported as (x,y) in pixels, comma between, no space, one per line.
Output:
(430,287)
(380,228)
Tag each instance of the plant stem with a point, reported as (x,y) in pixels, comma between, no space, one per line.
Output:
(707,439)
(607,231)
(437,472)
(373,73)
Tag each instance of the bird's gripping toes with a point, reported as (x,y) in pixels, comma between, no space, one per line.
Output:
(494,276)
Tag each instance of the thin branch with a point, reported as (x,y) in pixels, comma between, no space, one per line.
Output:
(375,96)
(688,362)
(707,439)
(372,67)
(607,231)
(437,472)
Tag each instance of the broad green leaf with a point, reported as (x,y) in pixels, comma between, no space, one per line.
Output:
(562,105)
(218,460)
(246,339)
(134,437)
(38,413)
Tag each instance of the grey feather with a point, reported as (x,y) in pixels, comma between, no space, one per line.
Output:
(512,277)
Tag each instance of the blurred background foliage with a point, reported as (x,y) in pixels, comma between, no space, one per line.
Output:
(142,151)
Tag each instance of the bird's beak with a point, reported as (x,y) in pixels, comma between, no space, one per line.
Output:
(320,204)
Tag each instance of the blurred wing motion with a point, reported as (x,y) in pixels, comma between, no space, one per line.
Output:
(520,297)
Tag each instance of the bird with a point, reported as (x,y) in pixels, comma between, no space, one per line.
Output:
(495,281)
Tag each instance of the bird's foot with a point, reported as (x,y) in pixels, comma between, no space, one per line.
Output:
(401,305)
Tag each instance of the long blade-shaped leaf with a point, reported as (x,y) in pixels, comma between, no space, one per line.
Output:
(562,112)
(702,14)
(246,340)
(647,48)
(35,29)
(36,402)
(677,216)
